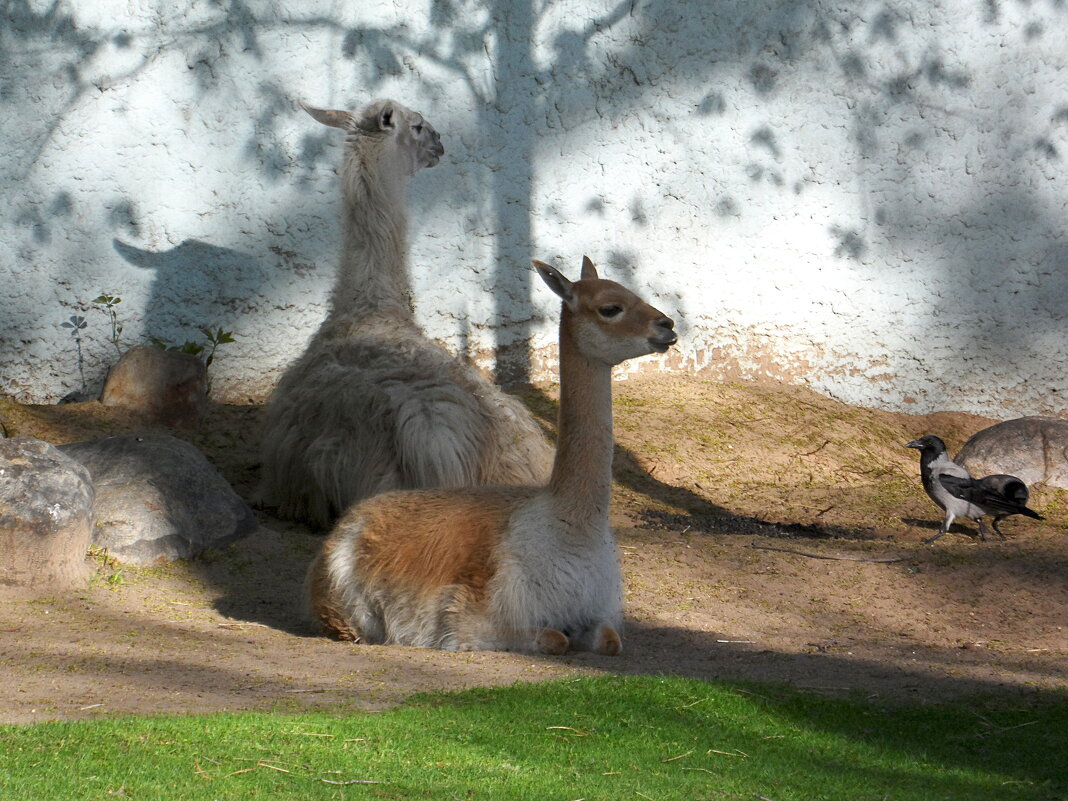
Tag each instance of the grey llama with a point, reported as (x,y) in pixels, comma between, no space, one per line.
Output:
(504,568)
(373,405)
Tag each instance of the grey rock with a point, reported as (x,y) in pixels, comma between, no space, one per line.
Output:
(1034,449)
(168,386)
(158,498)
(46,519)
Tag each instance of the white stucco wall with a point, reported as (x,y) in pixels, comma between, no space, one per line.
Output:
(869,198)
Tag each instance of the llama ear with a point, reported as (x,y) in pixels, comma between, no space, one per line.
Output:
(589,272)
(335,119)
(556,281)
(385,119)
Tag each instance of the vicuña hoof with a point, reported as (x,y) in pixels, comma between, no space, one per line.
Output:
(335,625)
(608,642)
(553,642)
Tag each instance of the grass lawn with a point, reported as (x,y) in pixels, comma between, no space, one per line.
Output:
(605,738)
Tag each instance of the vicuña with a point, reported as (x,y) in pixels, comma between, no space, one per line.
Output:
(504,568)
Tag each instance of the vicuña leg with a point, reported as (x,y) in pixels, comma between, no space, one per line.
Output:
(600,638)
(552,642)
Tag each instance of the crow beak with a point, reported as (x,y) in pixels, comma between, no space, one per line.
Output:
(915,444)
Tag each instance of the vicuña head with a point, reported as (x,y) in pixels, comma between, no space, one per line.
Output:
(504,568)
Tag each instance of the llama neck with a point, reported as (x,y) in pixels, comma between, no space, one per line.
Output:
(373,273)
(582,471)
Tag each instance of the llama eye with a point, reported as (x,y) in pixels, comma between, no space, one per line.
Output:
(608,312)
(418,128)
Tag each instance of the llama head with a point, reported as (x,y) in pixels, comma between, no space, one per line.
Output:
(402,135)
(608,322)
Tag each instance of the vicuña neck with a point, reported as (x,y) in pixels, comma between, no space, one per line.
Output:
(373,272)
(582,471)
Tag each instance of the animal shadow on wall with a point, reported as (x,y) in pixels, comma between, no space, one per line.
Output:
(196,284)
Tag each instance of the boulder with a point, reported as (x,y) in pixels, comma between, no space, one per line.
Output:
(158,498)
(168,386)
(1034,449)
(46,518)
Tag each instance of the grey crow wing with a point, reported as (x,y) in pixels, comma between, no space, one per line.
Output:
(986,496)
(1008,486)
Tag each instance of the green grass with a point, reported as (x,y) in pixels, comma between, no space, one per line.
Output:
(606,738)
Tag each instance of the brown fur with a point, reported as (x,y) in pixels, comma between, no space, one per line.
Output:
(434,539)
(322,606)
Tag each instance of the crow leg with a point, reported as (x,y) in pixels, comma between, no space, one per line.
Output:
(945,527)
(997,519)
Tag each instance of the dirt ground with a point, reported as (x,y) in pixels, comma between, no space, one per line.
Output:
(766,533)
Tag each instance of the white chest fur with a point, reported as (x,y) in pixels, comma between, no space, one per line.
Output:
(556,574)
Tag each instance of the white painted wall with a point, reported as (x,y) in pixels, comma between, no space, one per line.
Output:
(869,198)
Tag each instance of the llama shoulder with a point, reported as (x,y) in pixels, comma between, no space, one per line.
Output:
(378,344)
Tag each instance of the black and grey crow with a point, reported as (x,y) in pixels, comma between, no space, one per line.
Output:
(960,495)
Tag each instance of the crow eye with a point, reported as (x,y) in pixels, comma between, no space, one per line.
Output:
(608,312)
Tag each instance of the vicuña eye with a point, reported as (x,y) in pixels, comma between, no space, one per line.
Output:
(609,312)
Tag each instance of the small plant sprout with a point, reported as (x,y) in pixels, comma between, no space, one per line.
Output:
(216,338)
(77,324)
(190,347)
(108,570)
(108,304)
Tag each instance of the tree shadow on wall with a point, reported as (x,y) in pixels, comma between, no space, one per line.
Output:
(575,86)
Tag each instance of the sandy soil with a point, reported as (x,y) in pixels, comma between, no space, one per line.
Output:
(766,533)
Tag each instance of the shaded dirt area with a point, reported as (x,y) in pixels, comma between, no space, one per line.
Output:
(730,500)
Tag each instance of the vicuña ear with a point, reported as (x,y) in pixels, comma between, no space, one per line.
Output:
(333,118)
(589,272)
(556,281)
